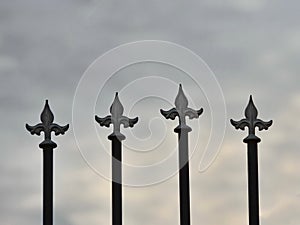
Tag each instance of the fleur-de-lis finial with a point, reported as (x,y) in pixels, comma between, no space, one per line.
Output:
(181,110)
(116,108)
(47,126)
(181,101)
(251,122)
(116,118)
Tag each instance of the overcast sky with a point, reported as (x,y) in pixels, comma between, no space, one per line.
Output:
(252,46)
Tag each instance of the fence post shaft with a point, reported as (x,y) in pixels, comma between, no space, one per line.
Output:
(184,183)
(252,141)
(181,110)
(48,187)
(117,180)
(253,186)
(47,126)
(116,119)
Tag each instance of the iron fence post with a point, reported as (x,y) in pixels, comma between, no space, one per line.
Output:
(252,141)
(116,119)
(47,126)
(181,110)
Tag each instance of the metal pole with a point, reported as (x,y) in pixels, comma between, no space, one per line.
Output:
(116,118)
(47,126)
(252,122)
(184,182)
(253,193)
(181,110)
(116,181)
(48,187)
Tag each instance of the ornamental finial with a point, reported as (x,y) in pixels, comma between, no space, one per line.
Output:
(47,126)
(181,101)
(116,108)
(251,122)
(181,110)
(116,118)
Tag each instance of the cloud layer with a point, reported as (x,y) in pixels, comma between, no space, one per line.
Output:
(252,47)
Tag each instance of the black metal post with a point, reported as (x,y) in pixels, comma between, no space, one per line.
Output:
(48,187)
(181,110)
(184,183)
(252,140)
(116,118)
(116,180)
(47,126)
(253,193)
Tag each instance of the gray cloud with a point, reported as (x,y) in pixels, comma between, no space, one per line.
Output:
(252,46)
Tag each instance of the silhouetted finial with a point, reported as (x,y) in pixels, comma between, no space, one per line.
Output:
(47,126)
(251,122)
(181,101)
(181,110)
(116,118)
(116,108)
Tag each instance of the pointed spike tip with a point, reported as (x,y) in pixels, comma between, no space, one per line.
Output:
(180,88)
(181,100)
(251,110)
(251,102)
(47,116)
(47,106)
(47,103)
(117,97)
(116,108)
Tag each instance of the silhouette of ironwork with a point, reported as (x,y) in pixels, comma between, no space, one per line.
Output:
(181,110)
(116,119)
(252,140)
(47,126)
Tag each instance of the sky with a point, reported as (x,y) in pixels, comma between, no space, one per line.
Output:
(47,49)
